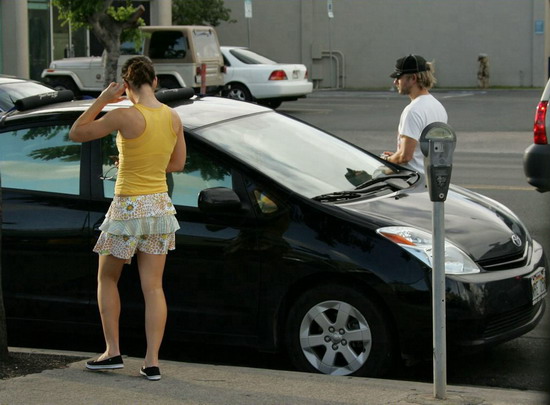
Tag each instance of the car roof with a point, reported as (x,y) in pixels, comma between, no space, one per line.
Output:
(4,79)
(195,112)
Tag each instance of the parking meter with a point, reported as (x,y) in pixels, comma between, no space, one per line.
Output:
(437,143)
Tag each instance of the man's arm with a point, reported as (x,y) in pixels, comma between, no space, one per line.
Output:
(405,152)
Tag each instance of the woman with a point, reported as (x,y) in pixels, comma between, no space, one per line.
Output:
(141,217)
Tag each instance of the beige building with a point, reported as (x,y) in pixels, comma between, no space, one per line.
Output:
(344,43)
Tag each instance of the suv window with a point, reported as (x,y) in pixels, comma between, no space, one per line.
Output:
(200,172)
(40,159)
(205,43)
(168,45)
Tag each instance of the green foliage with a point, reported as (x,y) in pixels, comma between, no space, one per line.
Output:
(200,12)
(80,13)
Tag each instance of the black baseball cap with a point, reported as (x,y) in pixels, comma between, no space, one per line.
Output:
(409,64)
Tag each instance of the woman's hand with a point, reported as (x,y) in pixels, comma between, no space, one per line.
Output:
(113,93)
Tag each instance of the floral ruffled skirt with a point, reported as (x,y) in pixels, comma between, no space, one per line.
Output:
(146,223)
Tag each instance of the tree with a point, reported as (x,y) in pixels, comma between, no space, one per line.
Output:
(200,12)
(111,25)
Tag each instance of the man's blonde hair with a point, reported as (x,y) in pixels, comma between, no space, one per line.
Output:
(426,80)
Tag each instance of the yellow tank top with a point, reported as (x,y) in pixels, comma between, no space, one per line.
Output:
(143,160)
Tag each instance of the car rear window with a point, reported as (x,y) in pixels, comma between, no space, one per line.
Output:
(251,58)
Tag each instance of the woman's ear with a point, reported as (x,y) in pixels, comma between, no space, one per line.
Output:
(155,82)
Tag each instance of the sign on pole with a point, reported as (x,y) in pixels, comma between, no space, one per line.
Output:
(248,8)
(330,9)
(248,16)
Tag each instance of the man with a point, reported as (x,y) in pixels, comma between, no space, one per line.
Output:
(413,76)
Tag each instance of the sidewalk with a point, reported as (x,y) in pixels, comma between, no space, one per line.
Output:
(199,384)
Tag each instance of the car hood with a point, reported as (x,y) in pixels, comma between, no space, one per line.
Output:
(75,62)
(483,228)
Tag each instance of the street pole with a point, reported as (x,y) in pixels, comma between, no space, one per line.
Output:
(330,18)
(438,301)
(437,143)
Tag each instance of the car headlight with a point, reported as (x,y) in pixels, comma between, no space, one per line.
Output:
(419,244)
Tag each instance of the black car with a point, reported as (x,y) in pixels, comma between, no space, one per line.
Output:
(536,158)
(14,88)
(291,239)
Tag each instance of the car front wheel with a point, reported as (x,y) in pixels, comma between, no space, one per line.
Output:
(64,83)
(337,330)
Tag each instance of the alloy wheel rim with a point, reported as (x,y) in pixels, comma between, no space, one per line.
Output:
(335,338)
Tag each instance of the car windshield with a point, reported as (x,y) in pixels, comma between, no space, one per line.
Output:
(11,92)
(303,158)
(251,58)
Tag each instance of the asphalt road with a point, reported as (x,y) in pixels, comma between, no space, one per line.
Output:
(493,129)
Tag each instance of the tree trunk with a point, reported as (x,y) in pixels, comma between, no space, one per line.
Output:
(108,31)
(3,328)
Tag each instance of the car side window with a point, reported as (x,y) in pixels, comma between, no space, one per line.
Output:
(200,172)
(40,159)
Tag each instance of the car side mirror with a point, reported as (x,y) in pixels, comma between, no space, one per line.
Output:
(219,200)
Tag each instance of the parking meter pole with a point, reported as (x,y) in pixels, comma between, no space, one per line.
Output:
(203,78)
(438,301)
(437,143)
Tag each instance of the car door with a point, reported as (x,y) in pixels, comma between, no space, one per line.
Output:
(46,249)
(211,279)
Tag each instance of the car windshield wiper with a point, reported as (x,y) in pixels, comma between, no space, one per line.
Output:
(337,196)
(410,178)
(393,181)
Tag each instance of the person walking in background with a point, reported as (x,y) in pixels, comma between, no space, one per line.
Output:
(483,71)
(414,77)
(140,220)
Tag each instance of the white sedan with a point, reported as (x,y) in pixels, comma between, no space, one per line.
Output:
(253,77)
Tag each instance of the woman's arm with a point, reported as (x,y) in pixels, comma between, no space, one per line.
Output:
(87,128)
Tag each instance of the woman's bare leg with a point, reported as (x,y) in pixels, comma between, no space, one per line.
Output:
(151,269)
(108,299)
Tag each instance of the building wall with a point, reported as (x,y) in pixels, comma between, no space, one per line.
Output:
(366,37)
(15,37)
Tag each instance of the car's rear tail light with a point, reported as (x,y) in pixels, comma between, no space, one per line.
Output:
(278,75)
(539,129)
(306,76)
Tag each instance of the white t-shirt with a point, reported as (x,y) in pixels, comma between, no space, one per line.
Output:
(421,112)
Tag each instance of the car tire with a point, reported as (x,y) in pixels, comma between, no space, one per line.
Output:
(64,83)
(239,92)
(274,104)
(337,330)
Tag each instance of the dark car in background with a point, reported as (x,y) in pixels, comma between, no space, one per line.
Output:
(291,239)
(536,159)
(13,88)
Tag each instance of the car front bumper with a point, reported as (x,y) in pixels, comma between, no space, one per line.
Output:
(536,165)
(488,308)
